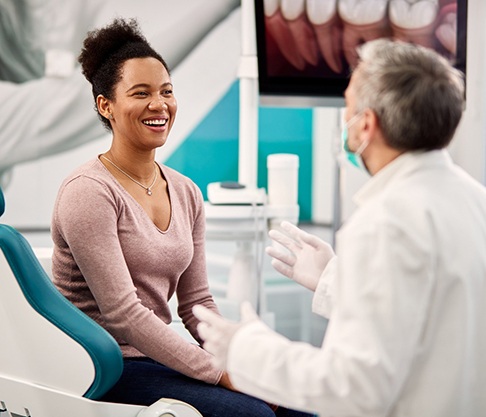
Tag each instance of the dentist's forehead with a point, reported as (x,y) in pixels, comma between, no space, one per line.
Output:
(353,81)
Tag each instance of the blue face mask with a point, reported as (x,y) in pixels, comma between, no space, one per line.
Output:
(353,157)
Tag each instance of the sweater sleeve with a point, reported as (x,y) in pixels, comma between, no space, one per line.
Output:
(86,215)
(193,288)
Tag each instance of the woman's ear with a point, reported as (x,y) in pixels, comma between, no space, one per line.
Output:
(104,106)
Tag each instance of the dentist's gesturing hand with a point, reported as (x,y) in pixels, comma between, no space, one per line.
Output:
(306,258)
(217,331)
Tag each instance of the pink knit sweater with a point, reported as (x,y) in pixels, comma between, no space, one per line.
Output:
(113,263)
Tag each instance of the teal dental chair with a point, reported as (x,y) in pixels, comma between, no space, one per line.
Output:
(54,360)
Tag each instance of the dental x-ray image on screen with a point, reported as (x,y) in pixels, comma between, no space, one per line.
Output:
(306,48)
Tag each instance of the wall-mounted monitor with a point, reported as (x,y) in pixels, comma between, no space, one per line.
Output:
(306,48)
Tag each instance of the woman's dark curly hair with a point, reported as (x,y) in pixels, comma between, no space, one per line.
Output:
(105,51)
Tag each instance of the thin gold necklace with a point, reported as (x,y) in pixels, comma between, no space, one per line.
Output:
(148,189)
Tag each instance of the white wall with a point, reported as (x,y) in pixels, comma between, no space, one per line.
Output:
(469,146)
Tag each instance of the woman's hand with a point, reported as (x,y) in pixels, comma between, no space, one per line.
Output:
(226,382)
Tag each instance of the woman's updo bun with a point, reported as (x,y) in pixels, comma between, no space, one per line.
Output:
(105,51)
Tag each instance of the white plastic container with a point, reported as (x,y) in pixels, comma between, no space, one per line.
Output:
(283,178)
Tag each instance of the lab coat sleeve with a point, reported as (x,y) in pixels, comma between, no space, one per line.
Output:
(275,368)
(382,294)
(54,125)
(325,292)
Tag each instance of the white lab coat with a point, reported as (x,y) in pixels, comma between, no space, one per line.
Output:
(406,297)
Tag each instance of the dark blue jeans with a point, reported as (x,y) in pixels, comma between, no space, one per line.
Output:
(145,381)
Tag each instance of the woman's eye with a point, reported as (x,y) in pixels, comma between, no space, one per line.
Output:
(167,92)
(141,93)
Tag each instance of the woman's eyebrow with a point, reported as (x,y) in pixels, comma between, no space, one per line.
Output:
(144,85)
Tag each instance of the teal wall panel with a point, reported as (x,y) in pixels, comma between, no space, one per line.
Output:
(210,152)
(284,130)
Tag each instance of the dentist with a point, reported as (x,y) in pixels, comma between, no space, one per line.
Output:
(405,293)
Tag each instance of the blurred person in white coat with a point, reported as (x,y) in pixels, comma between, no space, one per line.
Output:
(405,292)
(46,101)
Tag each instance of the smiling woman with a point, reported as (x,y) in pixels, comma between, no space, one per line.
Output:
(129,234)
(145,107)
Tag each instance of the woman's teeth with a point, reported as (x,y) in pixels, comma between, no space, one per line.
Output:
(160,122)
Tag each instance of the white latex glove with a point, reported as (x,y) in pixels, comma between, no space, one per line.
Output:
(217,331)
(306,258)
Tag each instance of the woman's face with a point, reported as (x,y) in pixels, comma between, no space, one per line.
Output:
(144,108)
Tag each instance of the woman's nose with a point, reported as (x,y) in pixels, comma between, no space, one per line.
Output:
(157,103)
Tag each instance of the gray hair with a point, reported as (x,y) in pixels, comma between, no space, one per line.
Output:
(417,94)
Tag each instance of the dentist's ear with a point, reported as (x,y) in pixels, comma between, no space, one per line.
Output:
(369,125)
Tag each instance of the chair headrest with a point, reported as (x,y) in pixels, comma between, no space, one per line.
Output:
(2,202)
